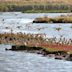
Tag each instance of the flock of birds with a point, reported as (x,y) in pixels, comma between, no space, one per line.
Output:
(29,26)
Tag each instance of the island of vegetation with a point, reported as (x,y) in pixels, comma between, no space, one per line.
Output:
(59,19)
(35,43)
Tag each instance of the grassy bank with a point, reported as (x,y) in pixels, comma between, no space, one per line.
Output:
(32,7)
(46,11)
(62,55)
(37,40)
(37,44)
(59,19)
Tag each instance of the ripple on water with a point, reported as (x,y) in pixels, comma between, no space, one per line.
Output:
(11,61)
(14,19)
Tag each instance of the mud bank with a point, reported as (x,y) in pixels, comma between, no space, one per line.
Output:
(61,55)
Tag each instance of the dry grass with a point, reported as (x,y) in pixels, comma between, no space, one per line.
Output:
(39,1)
(34,5)
(37,41)
(42,20)
(60,19)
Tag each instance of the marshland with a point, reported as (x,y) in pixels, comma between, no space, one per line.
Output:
(18,31)
(34,6)
(59,19)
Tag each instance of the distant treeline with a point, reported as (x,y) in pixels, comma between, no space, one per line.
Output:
(11,7)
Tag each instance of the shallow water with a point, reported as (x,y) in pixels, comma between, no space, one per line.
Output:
(11,61)
(22,22)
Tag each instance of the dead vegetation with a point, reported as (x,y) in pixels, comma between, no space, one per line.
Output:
(59,19)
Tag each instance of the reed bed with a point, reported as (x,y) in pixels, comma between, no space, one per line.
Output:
(34,6)
(36,40)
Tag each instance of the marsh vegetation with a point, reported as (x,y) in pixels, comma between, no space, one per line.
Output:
(59,19)
(34,6)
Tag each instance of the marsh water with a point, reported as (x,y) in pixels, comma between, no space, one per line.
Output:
(20,22)
(11,61)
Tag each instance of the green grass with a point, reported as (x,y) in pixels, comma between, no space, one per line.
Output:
(55,50)
(46,11)
(30,7)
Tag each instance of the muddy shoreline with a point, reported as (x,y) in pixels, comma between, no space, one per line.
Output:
(61,55)
(35,43)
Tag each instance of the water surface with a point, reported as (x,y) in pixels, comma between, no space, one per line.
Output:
(11,61)
(22,22)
